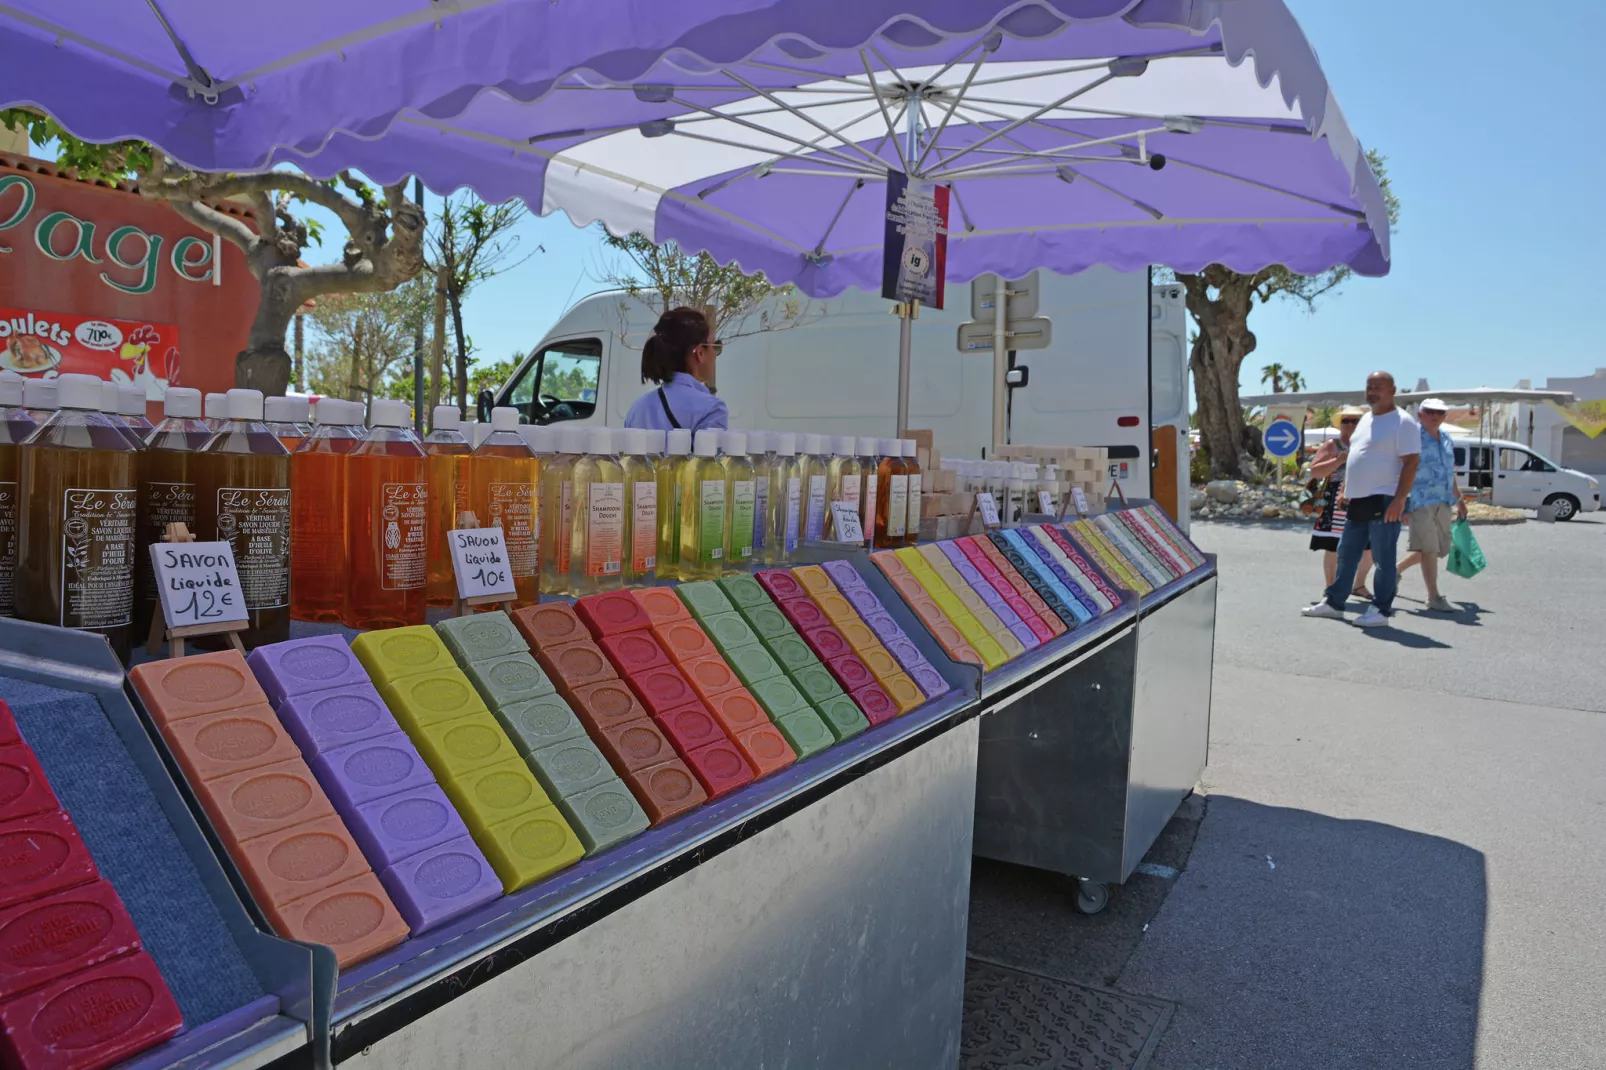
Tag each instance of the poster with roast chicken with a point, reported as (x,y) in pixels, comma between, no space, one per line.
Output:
(46,344)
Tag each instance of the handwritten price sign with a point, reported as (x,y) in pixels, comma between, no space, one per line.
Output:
(989,509)
(846,519)
(197,583)
(479,557)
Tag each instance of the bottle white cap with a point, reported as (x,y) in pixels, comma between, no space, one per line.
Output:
(599,441)
(635,440)
(349,413)
(811,444)
(784,443)
(11,387)
(109,399)
(389,412)
(706,443)
(867,446)
(245,404)
(889,447)
(677,442)
(504,418)
(734,442)
(77,391)
(279,410)
(131,400)
(447,417)
(182,402)
(844,445)
(217,406)
(658,441)
(572,439)
(540,438)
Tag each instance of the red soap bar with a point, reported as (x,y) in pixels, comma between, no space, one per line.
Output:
(737,710)
(781,584)
(612,613)
(661,604)
(355,919)
(50,937)
(633,652)
(827,642)
(877,705)
(685,640)
(720,767)
(572,665)
(549,624)
(666,790)
(201,683)
(40,854)
(218,744)
(634,746)
(600,705)
(804,614)
(23,787)
(711,677)
(851,672)
(89,1019)
(766,749)
(8,726)
(662,689)
(691,727)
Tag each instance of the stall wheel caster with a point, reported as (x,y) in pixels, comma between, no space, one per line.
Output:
(1091,896)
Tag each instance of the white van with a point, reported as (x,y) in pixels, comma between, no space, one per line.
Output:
(1512,475)
(1116,374)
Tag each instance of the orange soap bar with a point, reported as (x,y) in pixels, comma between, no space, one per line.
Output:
(608,703)
(294,862)
(737,710)
(766,749)
(549,624)
(666,790)
(354,918)
(685,640)
(201,683)
(837,609)
(910,588)
(710,677)
(634,746)
(576,664)
(904,691)
(256,802)
(661,604)
(217,744)
(814,580)
(858,634)
(883,664)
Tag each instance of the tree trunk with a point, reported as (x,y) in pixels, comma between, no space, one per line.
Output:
(263,364)
(301,347)
(437,345)
(1220,301)
(462,353)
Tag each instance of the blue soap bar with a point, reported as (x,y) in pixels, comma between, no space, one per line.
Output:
(362,772)
(434,886)
(301,666)
(334,718)
(401,825)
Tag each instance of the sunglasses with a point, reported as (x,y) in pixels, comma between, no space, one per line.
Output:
(717,347)
(1350,420)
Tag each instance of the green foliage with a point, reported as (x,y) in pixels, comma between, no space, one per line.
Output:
(115,162)
(666,276)
(362,344)
(1199,466)
(491,376)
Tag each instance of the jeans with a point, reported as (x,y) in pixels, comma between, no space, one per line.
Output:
(1383,539)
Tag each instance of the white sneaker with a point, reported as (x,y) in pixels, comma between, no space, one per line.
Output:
(1371,619)
(1322,610)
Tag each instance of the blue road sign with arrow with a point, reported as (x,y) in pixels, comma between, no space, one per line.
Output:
(1281,438)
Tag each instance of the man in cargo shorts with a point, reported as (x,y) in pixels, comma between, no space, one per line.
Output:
(1433,495)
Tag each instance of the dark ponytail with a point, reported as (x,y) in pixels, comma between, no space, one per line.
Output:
(678,332)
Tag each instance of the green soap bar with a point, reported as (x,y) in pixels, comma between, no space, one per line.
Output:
(769,622)
(842,716)
(728,630)
(604,816)
(452,748)
(488,796)
(792,652)
(397,652)
(432,697)
(539,723)
(753,664)
(515,678)
(744,590)
(481,637)
(704,598)
(535,844)
(570,767)
(779,697)
(806,732)
(816,683)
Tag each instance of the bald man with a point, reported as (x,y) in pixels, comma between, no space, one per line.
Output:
(1384,453)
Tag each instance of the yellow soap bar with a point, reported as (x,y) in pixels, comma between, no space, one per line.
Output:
(910,556)
(949,604)
(929,581)
(432,697)
(397,652)
(1013,648)
(494,794)
(452,748)
(533,845)
(904,691)
(858,634)
(970,628)
(883,664)
(814,580)
(992,655)
(971,601)
(987,618)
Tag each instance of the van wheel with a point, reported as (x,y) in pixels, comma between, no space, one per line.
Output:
(1566,505)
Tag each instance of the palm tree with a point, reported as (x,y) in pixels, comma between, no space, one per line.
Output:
(1273,373)
(1293,381)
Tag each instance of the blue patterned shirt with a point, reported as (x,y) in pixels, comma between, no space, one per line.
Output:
(1435,476)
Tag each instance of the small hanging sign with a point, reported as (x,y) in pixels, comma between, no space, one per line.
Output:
(846,519)
(197,583)
(480,560)
(989,508)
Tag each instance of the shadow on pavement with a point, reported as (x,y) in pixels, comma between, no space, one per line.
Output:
(1295,941)
(1392,634)
(1469,614)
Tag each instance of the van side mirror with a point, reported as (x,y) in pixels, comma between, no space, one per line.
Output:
(483,404)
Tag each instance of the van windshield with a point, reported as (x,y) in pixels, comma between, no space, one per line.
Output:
(559,384)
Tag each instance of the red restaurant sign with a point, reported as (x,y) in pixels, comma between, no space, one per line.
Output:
(33,342)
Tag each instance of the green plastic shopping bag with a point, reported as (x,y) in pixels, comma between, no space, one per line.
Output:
(1466,556)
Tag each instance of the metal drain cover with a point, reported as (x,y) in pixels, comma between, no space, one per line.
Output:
(1014,1018)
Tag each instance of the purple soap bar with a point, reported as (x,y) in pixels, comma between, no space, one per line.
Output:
(884,626)
(863,600)
(362,772)
(994,600)
(401,825)
(1027,638)
(302,666)
(908,655)
(953,553)
(846,576)
(334,718)
(1001,608)
(930,681)
(434,886)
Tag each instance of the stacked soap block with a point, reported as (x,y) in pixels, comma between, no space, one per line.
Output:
(968,576)
(973,633)
(1055,539)
(821,634)
(369,768)
(633,748)
(892,637)
(525,702)
(1162,524)
(1121,542)
(985,630)
(1156,537)
(1048,588)
(1103,554)
(1015,593)
(978,548)
(1043,563)
(68,949)
(523,835)
(294,851)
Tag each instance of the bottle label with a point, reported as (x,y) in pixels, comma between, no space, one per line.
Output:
(898,506)
(605,529)
(794,498)
(711,521)
(644,527)
(404,514)
(913,527)
(8,549)
(513,510)
(814,528)
(849,491)
(761,515)
(97,557)
(161,504)
(744,496)
(563,544)
(871,489)
(255,522)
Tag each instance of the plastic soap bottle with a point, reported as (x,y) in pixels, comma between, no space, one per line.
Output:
(39,399)
(677,445)
(287,418)
(131,407)
(387,516)
(911,463)
(785,519)
(892,496)
(703,505)
(447,460)
(761,451)
(15,427)
(110,402)
(599,521)
(506,477)
(869,483)
(166,486)
(318,469)
(641,499)
(741,499)
(844,477)
(217,410)
(813,466)
(557,509)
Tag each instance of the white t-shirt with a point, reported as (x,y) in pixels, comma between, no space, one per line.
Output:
(1376,453)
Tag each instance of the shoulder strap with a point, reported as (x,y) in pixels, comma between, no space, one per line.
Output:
(663,399)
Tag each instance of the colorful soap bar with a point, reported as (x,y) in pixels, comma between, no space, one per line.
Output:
(604,815)
(684,640)
(440,883)
(570,767)
(255,802)
(851,672)
(804,614)
(23,787)
(791,652)
(728,630)
(549,624)
(744,590)
(633,652)
(453,748)
(887,561)
(509,679)
(398,652)
(401,825)
(611,613)
(62,933)
(929,680)
(885,628)
(667,790)
(877,705)
(89,1019)
(720,767)
(814,580)
(8,725)
(481,637)
(661,604)
(842,716)
(844,575)
(737,710)
(372,769)
(577,664)
(690,727)
(827,642)
(336,717)
(837,609)
(752,663)
(295,862)
(767,621)
(538,723)
(494,793)
(710,677)
(533,845)
(610,702)
(779,697)
(766,749)
(863,601)
(781,584)
(858,634)
(704,598)
(634,746)
(903,691)
(816,683)
(201,683)
(880,663)
(355,919)
(217,744)
(662,688)
(42,853)
(301,666)
(806,732)
(432,697)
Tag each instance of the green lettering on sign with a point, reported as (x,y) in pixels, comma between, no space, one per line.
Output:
(23,208)
(184,266)
(44,236)
(147,265)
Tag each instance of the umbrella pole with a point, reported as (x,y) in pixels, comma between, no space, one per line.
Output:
(905,341)
(1000,364)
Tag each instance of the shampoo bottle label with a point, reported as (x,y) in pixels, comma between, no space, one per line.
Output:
(867,517)
(897,505)
(97,557)
(644,528)
(513,510)
(711,521)
(161,504)
(743,498)
(255,522)
(794,496)
(761,515)
(605,529)
(913,527)
(404,516)
(563,544)
(814,528)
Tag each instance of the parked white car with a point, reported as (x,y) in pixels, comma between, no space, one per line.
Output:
(1514,476)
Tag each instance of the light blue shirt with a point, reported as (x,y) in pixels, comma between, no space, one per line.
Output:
(693,404)
(1435,476)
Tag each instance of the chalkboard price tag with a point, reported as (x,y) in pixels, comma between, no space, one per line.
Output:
(1045,503)
(989,508)
(479,557)
(846,519)
(197,583)
(1081,500)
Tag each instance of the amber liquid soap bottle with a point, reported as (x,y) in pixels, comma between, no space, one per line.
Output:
(76,483)
(892,497)
(505,475)
(447,452)
(242,497)
(318,512)
(288,419)
(166,487)
(911,462)
(15,427)
(217,410)
(387,510)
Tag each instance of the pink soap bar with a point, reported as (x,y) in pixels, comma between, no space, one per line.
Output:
(441,883)
(612,613)
(804,614)
(781,584)
(662,689)
(827,642)
(877,705)
(721,768)
(89,1019)
(302,666)
(8,725)
(40,854)
(634,651)
(23,787)
(58,934)
(851,672)
(691,727)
